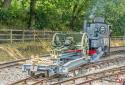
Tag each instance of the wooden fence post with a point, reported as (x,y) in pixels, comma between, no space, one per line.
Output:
(11,36)
(34,35)
(44,34)
(23,36)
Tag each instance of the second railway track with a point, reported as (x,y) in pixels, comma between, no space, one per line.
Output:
(29,81)
(15,62)
(12,63)
(111,73)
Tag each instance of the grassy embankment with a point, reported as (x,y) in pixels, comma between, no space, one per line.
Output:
(117,43)
(22,50)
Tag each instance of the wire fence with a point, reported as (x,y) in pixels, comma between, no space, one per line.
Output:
(10,36)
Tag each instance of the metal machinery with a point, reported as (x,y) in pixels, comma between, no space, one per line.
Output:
(99,35)
(71,50)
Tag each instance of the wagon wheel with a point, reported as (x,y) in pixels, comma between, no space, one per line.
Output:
(85,45)
(56,41)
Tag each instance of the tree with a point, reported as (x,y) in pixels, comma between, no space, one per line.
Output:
(78,9)
(32,13)
(6,4)
(113,11)
(61,14)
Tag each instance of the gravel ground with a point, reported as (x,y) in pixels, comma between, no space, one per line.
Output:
(11,74)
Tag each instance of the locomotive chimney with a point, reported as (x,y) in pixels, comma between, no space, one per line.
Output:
(85,25)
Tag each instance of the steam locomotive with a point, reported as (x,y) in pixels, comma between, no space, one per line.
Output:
(71,50)
(98,33)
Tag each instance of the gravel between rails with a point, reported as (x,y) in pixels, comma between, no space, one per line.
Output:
(11,74)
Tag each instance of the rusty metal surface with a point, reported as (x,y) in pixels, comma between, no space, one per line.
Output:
(28,80)
(99,63)
(11,63)
(91,77)
(20,81)
(117,48)
(16,62)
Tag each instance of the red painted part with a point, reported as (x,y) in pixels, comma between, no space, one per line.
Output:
(119,80)
(74,51)
(91,52)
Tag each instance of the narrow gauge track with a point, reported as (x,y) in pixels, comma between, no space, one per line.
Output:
(15,62)
(29,81)
(79,70)
(86,67)
(95,71)
(100,64)
(11,63)
(99,68)
(111,73)
(117,49)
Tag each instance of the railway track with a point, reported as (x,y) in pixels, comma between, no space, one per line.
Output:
(99,69)
(29,81)
(95,71)
(84,70)
(111,73)
(117,49)
(11,63)
(15,62)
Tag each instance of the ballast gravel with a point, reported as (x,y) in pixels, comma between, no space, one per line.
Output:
(11,74)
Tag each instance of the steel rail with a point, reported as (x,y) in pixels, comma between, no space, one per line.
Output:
(11,63)
(20,81)
(122,71)
(39,82)
(104,72)
(25,81)
(99,78)
(117,48)
(15,62)
(99,63)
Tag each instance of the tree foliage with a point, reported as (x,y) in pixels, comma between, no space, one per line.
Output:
(61,14)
